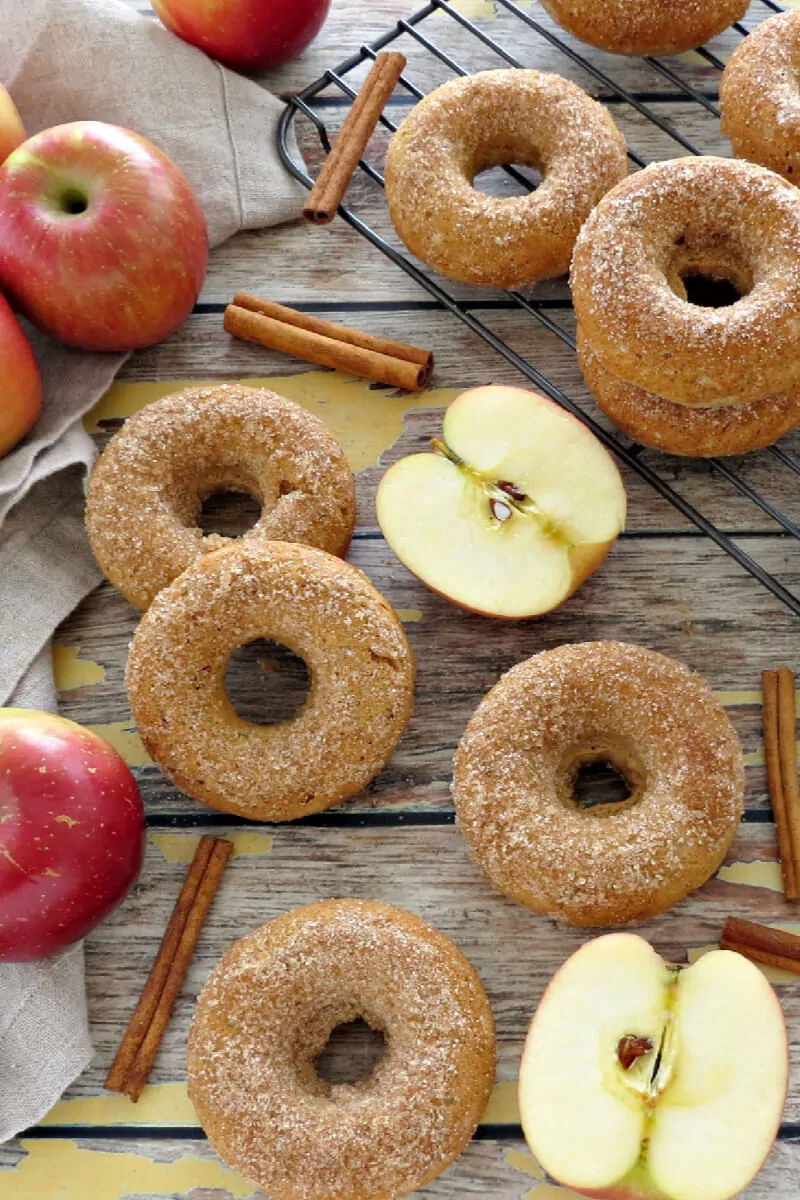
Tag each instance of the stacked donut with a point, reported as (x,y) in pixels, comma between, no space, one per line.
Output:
(671,372)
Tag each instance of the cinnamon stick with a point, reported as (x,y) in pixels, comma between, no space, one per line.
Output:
(759,943)
(339,347)
(139,1071)
(151,1015)
(358,127)
(787,746)
(771,723)
(143,1013)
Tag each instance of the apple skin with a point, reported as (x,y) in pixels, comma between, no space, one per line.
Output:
(20,382)
(249,35)
(103,243)
(71,833)
(12,131)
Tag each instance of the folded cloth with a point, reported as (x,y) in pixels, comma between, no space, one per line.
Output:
(69,60)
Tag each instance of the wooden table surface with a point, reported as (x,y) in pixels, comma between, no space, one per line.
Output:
(664,585)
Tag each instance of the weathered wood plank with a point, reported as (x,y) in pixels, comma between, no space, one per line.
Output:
(679,595)
(201,349)
(425,869)
(110,1169)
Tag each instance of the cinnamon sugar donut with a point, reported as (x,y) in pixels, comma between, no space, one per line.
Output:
(486,120)
(694,216)
(148,486)
(652,719)
(328,613)
(694,432)
(267,1013)
(760,96)
(646,26)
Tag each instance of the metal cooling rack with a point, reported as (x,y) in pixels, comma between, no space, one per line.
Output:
(624,450)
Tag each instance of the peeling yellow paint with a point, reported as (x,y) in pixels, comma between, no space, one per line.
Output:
(773,974)
(61,1170)
(125,740)
(474,9)
(525,1163)
(180,848)
(439,785)
(756,757)
(757,874)
(366,421)
(162,1104)
(503,1108)
(71,672)
(409,614)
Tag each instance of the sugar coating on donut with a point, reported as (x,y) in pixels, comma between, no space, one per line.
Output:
(490,119)
(147,488)
(709,216)
(265,1016)
(678,429)
(658,723)
(325,611)
(646,26)
(760,96)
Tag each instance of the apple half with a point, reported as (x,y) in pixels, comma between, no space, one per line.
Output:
(517,507)
(640,1079)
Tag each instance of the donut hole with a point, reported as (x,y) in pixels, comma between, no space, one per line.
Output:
(710,291)
(507,179)
(353,1052)
(266,682)
(228,513)
(601,777)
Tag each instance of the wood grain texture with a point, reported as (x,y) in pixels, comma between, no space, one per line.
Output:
(663,586)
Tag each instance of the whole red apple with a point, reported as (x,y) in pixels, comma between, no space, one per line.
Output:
(20,382)
(250,35)
(71,833)
(12,132)
(102,241)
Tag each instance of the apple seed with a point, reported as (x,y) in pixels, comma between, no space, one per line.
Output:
(499,510)
(511,490)
(630,1048)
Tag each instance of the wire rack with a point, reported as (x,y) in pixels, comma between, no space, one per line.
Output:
(432,38)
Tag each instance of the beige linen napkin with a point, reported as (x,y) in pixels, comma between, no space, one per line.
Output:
(68,60)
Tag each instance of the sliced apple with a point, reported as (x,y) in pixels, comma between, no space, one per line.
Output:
(646,1081)
(517,507)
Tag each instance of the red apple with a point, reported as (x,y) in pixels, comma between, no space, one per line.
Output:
(71,833)
(250,35)
(20,382)
(102,241)
(12,132)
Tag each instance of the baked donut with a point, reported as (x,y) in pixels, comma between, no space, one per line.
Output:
(712,217)
(760,96)
(694,432)
(655,722)
(487,120)
(267,1013)
(645,26)
(328,613)
(149,484)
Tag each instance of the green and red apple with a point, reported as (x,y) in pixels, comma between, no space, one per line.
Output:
(250,35)
(71,832)
(20,382)
(515,509)
(103,243)
(641,1080)
(12,131)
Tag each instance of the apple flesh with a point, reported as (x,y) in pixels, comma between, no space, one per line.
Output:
(20,382)
(102,241)
(645,1081)
(12,131)
(250,35)
(518,507)
(71,833)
